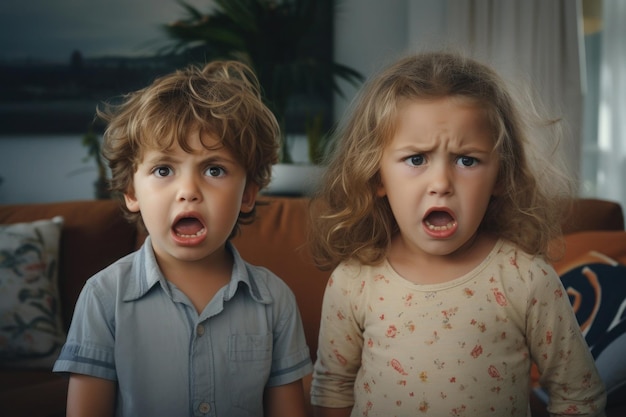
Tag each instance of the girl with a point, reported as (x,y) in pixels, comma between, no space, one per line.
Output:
(437,210)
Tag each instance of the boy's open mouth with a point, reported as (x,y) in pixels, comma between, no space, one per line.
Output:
(439,221)
(189,227)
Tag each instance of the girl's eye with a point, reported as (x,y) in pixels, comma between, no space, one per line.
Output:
(415,160)
(215,171)
(162,171)
(467,161)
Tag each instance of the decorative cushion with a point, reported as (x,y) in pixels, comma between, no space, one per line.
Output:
(593,272)
(31,329)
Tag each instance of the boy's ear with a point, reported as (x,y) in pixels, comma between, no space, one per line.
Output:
(132,204)
(248,199)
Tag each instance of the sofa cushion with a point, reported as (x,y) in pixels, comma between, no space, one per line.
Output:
(31,329)
(94,235)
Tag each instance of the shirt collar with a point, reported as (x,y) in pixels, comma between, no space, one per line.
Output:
(147,274)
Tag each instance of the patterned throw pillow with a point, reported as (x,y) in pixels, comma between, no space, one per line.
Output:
(593,272)
(597,292)
(31,329)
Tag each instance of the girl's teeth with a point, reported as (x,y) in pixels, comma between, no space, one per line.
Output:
(440,228)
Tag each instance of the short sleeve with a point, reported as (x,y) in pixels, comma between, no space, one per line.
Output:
(89,348)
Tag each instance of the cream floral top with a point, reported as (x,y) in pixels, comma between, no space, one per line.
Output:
(389,347)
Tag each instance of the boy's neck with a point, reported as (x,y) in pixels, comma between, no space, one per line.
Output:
(199,280)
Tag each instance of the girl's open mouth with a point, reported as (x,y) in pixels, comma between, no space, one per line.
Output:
(439,220)
(440,223)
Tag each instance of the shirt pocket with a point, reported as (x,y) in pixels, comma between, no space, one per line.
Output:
(250,365)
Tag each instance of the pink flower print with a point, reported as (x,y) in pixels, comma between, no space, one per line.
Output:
(457,411)
(468,292)
(477,351)
(382,316)
(407,299)
(381,277)
(482,327)
(340,315)
(395,364)
(513,262)
(331,281)
(410,326)
(433,340)
(549,337)
(370,343)
(558,293)
(340,358)
(493,372)
(500,298)
(452,380)
(391,331)
(402,382)
(367,388)
(424,406)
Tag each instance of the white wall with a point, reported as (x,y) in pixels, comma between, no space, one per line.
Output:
(369,34)
(44,169)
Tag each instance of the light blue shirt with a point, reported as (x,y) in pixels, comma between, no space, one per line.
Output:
(134,327)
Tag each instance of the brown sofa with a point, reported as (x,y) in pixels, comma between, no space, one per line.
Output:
(95,234)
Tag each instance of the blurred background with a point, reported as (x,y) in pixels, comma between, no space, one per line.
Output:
(59,59)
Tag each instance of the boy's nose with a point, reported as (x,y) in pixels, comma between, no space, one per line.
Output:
(189,190)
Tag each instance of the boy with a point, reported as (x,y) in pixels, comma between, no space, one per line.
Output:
(184,326)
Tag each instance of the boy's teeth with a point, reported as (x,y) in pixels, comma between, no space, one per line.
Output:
(198,233)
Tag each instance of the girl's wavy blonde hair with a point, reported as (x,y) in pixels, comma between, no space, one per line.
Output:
(349,220)
(221,99)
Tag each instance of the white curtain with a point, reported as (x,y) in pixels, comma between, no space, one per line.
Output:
(611,166)
(535,42)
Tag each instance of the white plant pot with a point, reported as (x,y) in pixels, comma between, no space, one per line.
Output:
(298,179)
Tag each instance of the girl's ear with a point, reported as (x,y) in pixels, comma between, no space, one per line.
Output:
(498,188)
(248,199)
(132,204)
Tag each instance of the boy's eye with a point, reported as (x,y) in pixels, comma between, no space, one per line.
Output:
(467,161)
(415,160)
(162,171)
(215,171)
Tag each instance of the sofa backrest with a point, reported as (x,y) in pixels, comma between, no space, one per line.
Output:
(95,234)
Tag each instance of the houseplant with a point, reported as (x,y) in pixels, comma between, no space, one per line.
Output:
(288,43)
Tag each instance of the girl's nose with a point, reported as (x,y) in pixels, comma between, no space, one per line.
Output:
(441,180)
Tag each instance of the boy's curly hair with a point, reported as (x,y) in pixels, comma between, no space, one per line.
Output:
(349,220)
(221,99)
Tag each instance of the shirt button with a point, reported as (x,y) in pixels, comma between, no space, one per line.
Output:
(200,330)
(204,408)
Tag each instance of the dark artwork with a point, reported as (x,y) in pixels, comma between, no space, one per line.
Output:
(52,98)
(40,97)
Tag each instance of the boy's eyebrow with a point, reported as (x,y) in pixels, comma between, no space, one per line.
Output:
(213,157)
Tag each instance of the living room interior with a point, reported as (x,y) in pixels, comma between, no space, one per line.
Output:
(573,57)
